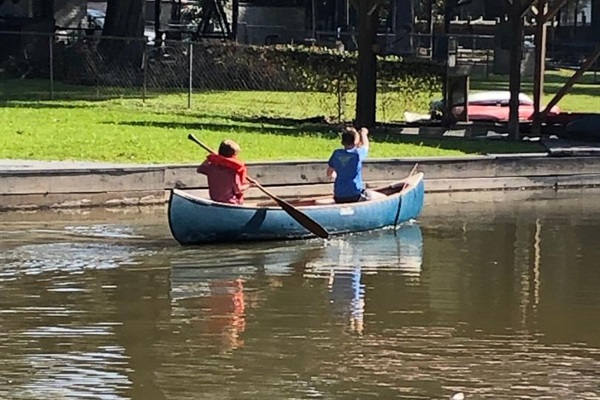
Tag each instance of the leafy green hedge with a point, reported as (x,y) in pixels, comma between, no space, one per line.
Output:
(291,67)
(320,67)
(231,66)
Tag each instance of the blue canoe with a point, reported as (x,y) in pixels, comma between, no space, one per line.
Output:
(195,220)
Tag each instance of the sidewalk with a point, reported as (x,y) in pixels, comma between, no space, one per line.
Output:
(34,165)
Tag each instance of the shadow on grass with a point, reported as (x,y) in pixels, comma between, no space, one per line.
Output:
(468,146)
(32,90)
(289,130)
(46,105)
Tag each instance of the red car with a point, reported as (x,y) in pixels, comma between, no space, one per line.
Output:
(492,106)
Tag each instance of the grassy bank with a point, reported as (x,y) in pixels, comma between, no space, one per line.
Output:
(119,126)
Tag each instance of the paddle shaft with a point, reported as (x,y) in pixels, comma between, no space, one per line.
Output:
(412,171)
(303,219)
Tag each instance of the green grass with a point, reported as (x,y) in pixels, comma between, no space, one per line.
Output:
(583,97)
(117,126)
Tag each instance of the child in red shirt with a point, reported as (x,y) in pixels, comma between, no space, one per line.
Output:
(226,174)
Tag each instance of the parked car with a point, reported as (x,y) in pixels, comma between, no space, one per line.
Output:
(490,106)
(95,18)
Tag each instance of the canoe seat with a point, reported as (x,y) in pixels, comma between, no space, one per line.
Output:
(374,195)
(323,202)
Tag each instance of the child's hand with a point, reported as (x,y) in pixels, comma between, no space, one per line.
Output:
(333,175)
(364,130)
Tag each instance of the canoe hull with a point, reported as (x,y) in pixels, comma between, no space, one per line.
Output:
(195,220)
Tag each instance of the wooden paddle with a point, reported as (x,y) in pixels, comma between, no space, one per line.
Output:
(412,171)
(404,185)
(303,219)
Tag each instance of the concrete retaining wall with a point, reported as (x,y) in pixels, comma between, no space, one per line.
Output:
(37,185)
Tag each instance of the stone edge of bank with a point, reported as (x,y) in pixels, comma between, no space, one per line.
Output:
(36,185)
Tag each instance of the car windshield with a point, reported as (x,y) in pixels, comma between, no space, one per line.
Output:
(96,14)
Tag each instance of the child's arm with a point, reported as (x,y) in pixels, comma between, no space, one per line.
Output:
(241,187)
(364,139)
(331,172)
(202,169)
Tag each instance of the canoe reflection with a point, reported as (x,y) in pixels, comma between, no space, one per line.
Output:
(214,290)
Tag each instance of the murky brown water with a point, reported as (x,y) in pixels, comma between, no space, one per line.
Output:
(499,300)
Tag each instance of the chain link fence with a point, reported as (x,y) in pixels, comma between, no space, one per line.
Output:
(182,74)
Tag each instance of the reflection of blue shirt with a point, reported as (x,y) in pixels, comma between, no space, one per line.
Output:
(347,291)
(348,167)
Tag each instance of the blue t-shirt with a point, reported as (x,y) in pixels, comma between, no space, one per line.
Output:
(347,164)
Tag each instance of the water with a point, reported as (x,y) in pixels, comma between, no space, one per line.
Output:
(498,300)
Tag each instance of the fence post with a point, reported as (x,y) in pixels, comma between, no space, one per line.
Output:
(144,67)
(487,63)
(339,100)
(191,70)
(51,60)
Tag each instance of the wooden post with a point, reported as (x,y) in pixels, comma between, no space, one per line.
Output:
(539,68)
(431,24)
(157,38)
(554,8)
(191,74)
(51,61)
(235,16)
(525,8)
(313,18)
(515,57)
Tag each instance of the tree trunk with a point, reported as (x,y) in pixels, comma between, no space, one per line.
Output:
(124,19)
(516,55)
(47,8)
(367,65)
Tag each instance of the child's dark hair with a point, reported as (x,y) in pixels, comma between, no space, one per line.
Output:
(228,148)
(349,136)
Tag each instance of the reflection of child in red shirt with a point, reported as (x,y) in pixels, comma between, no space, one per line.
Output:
(226,174)
(227,308)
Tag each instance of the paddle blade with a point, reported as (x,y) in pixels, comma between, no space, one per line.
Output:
(303,219)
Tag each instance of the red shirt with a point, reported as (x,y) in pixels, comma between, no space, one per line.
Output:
(224,184)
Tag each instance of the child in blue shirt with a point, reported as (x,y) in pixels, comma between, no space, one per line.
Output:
(345,166)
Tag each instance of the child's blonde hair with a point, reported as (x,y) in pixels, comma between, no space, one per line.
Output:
(228,148)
